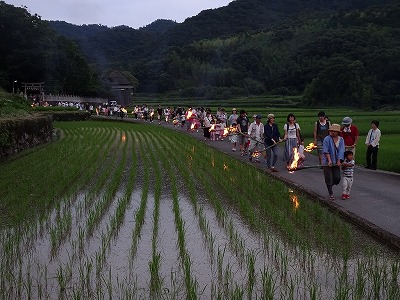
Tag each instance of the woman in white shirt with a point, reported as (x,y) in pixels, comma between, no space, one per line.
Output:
(372,142)
(292,138)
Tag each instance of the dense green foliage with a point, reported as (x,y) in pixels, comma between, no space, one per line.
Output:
(334,52)
(11,105)
(30,51)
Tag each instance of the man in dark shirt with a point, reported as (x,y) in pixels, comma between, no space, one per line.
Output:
(271,138)
(242,128)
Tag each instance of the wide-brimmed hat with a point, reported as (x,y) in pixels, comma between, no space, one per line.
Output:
(258,116)
(347,121)
(233,109)
(334,127)
(271,116)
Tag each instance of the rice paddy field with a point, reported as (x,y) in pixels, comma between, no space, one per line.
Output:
(132,211)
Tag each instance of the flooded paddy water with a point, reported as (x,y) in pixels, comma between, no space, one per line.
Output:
(154,214)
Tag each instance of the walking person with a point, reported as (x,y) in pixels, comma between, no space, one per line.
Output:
(256,134)
(207,125)
(271,139)
(292,137)
(333,150)
(233,138)
(349,132)
(233,118)
(348,174)
(242,128)
(320,132)
(159,114)
(372,142)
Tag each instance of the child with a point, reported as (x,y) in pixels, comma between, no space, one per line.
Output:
(348,170)
(233,138)
(300,150)
(221,129)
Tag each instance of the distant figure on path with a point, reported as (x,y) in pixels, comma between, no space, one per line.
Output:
(242,128)
(349,133)
(320,132)
(333,150)
(372,142)
(292,137)
(271,138)
(348,172)
(256,134)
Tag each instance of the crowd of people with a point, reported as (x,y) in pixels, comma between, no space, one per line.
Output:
(335,143)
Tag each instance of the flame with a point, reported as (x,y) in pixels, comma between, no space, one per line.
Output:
(189,115)
(296,157)
(295,201)
(229,130)
(152,114)
(192,126)
(212,128)
(310,147)
(226,132)
(256,154)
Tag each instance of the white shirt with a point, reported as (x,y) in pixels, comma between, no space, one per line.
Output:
(291,131)
(256,131)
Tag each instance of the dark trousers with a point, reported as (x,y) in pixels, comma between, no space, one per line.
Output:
(332,177)
(206,132)
(372,152)
(272,155)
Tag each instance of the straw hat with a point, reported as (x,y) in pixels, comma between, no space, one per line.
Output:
(233,109)
(271,116)
(334,127)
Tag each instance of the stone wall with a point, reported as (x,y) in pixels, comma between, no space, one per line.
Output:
(20,133)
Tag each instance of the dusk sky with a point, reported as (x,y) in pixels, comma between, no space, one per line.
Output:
(133,13)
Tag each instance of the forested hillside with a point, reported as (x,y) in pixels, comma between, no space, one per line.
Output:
(334,52)
(30,51)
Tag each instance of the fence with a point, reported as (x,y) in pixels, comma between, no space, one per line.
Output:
(73,99)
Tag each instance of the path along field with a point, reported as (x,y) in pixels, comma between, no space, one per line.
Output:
(132,211)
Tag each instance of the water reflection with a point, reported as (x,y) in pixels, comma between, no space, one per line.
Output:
(293,197)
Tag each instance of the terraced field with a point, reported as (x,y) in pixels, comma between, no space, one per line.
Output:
(131,211)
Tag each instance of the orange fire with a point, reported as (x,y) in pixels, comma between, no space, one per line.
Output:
(192,126)
(229,130)
(189,115)
(310,147)
(296,157)
(212,128)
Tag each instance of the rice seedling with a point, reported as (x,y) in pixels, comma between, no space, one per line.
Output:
(307,252)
